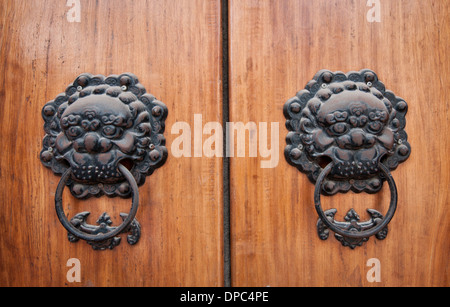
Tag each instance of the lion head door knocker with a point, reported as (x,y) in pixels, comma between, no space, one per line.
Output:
(347,133)
(104,135)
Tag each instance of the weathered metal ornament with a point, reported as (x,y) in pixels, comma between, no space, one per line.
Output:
(351,128)
(352,223)
(104,135)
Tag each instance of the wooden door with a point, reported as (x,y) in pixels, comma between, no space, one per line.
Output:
(276,47)
(174,48)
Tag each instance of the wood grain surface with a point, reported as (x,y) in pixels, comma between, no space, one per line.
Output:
(276,47)
(174,47)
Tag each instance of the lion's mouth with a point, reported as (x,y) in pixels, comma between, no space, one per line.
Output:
(359,164)
(95,168)
(98,173)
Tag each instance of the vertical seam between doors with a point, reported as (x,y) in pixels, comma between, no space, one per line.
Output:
(226,160)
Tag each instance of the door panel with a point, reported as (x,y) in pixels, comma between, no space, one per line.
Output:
(276,47)
(174,48)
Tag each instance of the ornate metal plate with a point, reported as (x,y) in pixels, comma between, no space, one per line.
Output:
(346,132)
(104,135)
(98,123)
(350,120)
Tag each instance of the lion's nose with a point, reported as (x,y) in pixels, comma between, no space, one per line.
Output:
(91,141)
(357,137)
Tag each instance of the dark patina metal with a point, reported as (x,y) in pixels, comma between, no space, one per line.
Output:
(347,133)
(352,233)
(104,135)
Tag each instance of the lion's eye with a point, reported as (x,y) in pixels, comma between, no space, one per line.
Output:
(74,131)
(375,127)
(111,131)
(339,128)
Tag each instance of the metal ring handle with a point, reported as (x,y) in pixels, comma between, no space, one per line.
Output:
(97,238)
(352,234)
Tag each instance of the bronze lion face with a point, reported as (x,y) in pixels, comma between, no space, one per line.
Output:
(98,123)
(349,120)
